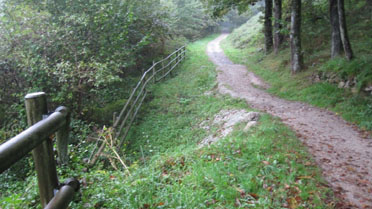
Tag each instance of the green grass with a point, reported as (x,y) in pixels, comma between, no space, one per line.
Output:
(248,34)
(170,171)
(353,107)
(266,167)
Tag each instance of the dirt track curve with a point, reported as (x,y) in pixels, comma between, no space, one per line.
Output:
(338,148)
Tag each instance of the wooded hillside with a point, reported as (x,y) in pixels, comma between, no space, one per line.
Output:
(89,55)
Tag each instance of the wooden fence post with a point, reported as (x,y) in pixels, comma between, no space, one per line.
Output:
(62,136)
(36,107)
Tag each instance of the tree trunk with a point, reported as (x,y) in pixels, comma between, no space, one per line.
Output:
(296,53)
(278,36)
(369,7)
(336,46)
(268,26)
(343,30)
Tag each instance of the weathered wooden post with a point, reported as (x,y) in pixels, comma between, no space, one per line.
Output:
(36,107)
(62,136)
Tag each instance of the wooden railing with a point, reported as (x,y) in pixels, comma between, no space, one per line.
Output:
(37,138)
(155,73)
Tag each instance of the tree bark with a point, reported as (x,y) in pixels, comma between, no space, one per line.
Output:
(268,26)
(296,53)
(336,42)
(369,7)
(278,36)
(343,30)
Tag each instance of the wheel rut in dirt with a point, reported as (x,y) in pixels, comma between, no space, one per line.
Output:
(344,156)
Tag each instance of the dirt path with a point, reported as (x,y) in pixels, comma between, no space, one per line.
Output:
(344,156)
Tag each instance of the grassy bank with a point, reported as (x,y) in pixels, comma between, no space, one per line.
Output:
(266,167)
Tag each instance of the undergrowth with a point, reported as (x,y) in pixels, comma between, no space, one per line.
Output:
(265,167)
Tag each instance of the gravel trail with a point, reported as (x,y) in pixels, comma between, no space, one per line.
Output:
(339,148)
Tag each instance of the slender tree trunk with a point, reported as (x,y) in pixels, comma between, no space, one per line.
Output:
(343,30)
(268,26)
(296,53)
(369,6)
(336,46)
(278,36)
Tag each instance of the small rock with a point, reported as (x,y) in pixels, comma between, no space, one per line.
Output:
(204,125)
(354,82)
(341,85)
(315,78)
(354,90)
(253,116)
(250,125)
(87,205)
(347,84)
(208,93)
(369,88)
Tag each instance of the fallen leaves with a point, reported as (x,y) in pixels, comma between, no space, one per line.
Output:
(293,202)
(303,177)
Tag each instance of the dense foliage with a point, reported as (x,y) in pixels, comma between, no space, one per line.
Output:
(85,55)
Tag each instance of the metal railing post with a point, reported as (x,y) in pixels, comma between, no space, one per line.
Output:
(184,52)
(162,66)
(153,71)
(176,62)
(36,107)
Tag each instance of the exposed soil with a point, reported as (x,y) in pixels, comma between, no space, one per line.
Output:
(339,148)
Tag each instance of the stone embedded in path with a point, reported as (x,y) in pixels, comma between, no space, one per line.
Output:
(226,120)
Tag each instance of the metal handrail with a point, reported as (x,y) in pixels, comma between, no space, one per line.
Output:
(19,146)
(37,139)
(64,195)
(135,100)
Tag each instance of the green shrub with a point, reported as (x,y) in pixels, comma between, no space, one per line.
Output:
(104,115)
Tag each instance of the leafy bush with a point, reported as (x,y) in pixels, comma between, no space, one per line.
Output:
(103,116)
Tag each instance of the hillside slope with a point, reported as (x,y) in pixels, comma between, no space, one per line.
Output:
(263,167)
